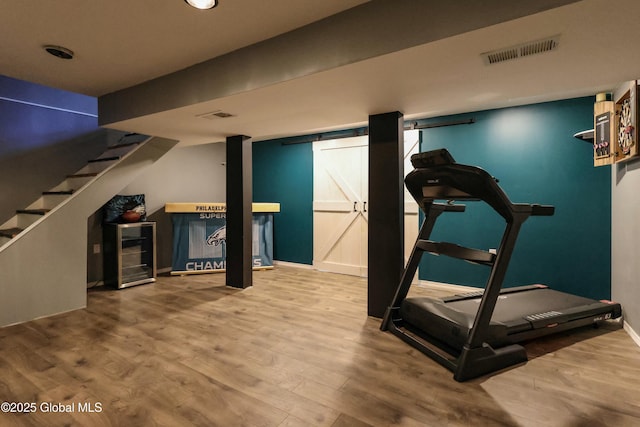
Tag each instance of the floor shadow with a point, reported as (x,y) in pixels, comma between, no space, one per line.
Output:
(552,343)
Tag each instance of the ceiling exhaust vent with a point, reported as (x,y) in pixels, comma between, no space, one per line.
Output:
(218,114)
(521,50)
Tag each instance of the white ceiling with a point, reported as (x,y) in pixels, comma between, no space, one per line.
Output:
(120,43)
(115,49)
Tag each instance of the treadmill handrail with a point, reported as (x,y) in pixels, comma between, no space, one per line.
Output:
(542,210)
(453,250)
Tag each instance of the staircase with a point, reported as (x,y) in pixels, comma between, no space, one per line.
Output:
(61,192)
(43,248)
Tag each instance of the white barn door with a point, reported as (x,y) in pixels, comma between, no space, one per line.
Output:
(340,169)
(340,185)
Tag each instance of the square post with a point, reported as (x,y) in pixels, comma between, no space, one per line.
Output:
(386,209)
(239,212)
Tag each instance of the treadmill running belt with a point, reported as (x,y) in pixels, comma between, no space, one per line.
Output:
(515,312)
(514,308)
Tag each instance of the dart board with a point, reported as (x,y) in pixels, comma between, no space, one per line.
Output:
(625,127)
(626,121)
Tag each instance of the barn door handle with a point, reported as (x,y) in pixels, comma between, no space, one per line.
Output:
(354,206)
(364,204)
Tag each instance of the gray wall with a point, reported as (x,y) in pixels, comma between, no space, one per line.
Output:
(24,176)
(185,174)
(625,240)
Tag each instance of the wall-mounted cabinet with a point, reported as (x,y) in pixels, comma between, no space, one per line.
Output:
(129,254)
(615,120)
(626,121)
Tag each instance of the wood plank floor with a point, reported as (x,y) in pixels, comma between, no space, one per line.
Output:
(296,349)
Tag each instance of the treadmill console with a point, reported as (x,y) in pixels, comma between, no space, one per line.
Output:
(432,158)
(438,186)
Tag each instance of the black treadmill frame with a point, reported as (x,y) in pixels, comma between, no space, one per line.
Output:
(437,177)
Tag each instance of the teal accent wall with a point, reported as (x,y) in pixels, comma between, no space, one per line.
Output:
(284,173)
(533,153)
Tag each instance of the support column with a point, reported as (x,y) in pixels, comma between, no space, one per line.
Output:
(386,209)
(239,212)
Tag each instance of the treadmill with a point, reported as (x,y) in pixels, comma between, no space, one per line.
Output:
(477,333)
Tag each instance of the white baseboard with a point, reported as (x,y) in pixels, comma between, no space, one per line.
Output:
(633,334)
(293,264)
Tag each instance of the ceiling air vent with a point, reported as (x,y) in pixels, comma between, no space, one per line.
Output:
(218,114)
(521,50)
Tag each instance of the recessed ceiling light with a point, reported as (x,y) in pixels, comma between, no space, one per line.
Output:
(59,51)
(202,4)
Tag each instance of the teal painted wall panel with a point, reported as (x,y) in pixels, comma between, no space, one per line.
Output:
(532,151)
(284,174)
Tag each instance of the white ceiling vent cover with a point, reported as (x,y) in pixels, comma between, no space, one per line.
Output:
(525,49)
(218,114)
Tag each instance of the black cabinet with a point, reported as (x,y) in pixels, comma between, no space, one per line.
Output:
(129,254)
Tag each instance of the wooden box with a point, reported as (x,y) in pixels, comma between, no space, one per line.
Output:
(626,132)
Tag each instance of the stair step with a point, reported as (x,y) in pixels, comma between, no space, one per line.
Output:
(33,211)
(126,144)
(10,232)
(83,175)
(62,193)
(105,159)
